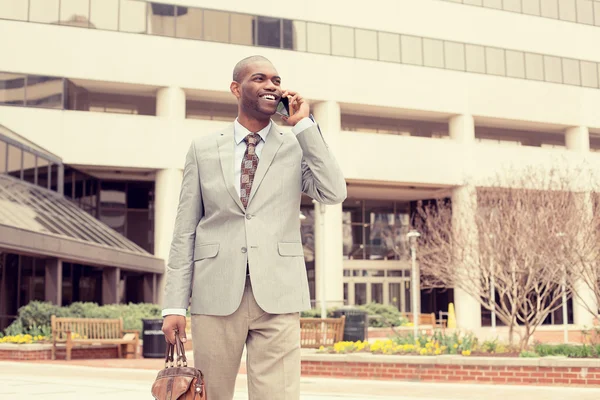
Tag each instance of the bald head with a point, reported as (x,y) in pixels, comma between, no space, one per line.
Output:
(240,68)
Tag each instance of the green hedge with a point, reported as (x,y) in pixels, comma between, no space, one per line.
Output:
(34,318)
(380,315)
(568,350)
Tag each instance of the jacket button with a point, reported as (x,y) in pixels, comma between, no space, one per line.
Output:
(244,249)
(248,216)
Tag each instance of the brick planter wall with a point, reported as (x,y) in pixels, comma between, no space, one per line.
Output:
(44,352)
(543,371)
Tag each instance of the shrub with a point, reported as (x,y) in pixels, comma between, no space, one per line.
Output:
(385,315)
(528,354)
(567,350)
(316,313)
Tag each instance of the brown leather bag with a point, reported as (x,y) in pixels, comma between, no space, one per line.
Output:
(177,381)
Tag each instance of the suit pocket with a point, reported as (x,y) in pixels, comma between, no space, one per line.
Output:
(205,250)
(290,249)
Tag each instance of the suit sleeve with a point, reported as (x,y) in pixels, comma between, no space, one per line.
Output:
(322,177)
(181,256)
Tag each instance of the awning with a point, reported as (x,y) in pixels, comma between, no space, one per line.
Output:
(37,221)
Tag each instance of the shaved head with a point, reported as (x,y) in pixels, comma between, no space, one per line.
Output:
(240,68)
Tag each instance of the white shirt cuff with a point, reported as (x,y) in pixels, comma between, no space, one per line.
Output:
(302,125)
(174,311)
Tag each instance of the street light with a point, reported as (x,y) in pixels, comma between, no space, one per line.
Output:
(412,237)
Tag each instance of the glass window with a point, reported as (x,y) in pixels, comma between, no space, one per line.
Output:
(568,10)
(161,20)
(14,160)
(512,5)
(494,61)
(44,91)
(585,12)
(13,9)
(515,64)
(553,69)
(455,56)
(493,4)
(531,7)
(132,16)
(318,39)
(589,74)
(377,293)
(45,11)
(549,8)
(475,58)
(294,35)
(75,13)
(433,53)
(12,89)
(104,14)
(342,41)
(188,23)
(389,47)
(534,66)
(571,71)
(242,29)
(269,32)
(412,50)
(366,44)
(360,293)
(216,26)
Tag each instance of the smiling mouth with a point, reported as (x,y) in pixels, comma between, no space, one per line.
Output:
(269,97)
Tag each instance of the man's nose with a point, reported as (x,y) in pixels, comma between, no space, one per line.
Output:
(271,86)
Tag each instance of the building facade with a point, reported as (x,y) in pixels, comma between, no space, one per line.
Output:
(416,98)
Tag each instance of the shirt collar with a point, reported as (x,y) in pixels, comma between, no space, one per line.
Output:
(240,132)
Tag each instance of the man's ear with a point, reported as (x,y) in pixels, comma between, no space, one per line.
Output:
(235,89)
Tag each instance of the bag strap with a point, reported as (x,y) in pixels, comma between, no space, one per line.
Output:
(175,349)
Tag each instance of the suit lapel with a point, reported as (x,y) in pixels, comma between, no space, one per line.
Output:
(226,153)
(272,145)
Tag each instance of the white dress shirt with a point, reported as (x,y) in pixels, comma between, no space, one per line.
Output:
(239,133)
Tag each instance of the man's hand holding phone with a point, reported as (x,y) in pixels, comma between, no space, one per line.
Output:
(298,108)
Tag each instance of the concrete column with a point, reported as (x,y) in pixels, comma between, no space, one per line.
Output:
(111,277)
(329,266)
(170,103)
(464,206)
(577,139)
(166,200)
(53,281)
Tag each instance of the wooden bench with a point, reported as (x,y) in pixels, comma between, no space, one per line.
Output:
(317,332)
(424,319)
(89,331)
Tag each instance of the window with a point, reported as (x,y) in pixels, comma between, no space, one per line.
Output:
(493,4)
(531,7)
(455,56)
(412,50)
(242,29)
(433,53)
(75,13)
(189,23)
(389,47)
(45,11)
(366,44)
(589,74)
(585,12)
(553,69)
(495,62)
(512,5)
(568,10)
(534,66)
(294,35)
(515,64)
(318,38)
(571,71)
(44,91)
(549,8)
(342,41)
(475,58)
(161,20)
(216,26)
(104,14)
(132,16)
(13,9)
(269,32)
(12,89)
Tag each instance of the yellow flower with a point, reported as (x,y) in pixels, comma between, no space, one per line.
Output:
(455,346)
(466,352)
(423,352)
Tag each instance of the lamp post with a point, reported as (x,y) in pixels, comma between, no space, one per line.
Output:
(412,237)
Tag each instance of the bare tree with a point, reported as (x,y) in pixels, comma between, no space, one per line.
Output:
(509,250)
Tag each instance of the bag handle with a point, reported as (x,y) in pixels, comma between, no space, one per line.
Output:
(175,349)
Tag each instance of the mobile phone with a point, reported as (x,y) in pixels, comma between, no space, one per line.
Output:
(283,108)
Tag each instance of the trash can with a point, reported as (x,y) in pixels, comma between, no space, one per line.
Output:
(155,345)
(356,325)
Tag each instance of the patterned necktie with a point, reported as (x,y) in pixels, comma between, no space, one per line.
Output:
(249,165)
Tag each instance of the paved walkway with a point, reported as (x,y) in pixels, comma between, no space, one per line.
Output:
(61,382)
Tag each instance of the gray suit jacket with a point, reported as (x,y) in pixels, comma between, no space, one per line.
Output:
(215,237)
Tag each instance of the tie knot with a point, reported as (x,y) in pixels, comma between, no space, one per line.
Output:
(252,139)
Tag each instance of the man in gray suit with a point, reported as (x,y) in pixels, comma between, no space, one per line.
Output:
(236,249)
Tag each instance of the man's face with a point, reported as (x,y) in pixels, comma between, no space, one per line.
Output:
(260,89)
